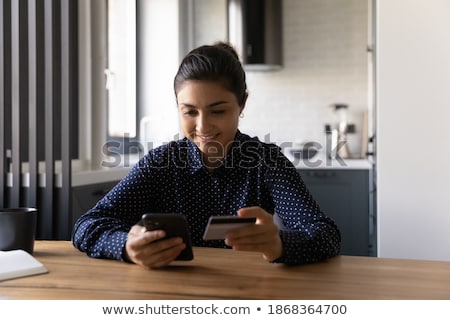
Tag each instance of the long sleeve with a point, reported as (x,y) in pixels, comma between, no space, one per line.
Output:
(102,231)
(308,235)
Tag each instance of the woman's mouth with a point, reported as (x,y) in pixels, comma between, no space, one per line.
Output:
(207,138)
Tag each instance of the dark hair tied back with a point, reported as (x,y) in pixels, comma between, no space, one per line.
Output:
(218,62)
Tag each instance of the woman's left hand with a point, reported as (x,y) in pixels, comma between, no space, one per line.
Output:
(263,236)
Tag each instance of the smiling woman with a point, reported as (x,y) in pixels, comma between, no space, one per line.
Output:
(214,170)
(211,94)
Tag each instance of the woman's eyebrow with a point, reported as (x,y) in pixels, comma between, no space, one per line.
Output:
(217,103)
(213,104)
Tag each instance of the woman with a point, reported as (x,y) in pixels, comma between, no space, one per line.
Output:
(214,170)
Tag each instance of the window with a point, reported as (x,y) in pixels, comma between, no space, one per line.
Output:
(121,74)
(143,54)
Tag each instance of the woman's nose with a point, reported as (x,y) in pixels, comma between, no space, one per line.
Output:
(203,123)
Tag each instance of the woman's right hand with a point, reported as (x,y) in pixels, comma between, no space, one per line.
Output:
(142,247)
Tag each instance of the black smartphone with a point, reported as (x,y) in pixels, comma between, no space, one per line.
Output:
(218,226)
(175,225)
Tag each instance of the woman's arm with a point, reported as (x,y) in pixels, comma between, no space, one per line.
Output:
(103,230)
(307,234)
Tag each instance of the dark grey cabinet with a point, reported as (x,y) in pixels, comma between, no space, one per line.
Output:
(345,196)
(85,197)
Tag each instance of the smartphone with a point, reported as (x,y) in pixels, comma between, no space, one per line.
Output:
(175,225)
(218,226)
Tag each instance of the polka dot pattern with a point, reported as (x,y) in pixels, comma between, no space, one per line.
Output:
(172,179)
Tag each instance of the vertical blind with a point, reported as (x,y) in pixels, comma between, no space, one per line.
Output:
(38,109)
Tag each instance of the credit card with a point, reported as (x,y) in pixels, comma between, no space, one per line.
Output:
(218,226)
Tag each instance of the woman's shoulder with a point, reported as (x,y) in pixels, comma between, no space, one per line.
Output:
(247,142)
(169,147)
(253,150)
(170,153)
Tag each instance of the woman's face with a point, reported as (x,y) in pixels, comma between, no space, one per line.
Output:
(209,116)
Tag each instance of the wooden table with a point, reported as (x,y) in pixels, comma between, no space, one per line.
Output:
(225,274)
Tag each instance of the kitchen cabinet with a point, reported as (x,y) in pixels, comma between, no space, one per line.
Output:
(89,186)
(345,196)
(84,197)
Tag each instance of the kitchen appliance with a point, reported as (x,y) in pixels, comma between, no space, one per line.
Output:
(305,151)
(255,30)
(337,142)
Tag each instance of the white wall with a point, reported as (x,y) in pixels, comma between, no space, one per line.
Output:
(413,106)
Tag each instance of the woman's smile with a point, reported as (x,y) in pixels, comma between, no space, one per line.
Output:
(207,138)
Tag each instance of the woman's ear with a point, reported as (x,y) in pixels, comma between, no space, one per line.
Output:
(242,106)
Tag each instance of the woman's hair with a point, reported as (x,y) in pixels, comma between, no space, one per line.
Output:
(218,62)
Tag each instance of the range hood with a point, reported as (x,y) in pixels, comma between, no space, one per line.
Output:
(255,30)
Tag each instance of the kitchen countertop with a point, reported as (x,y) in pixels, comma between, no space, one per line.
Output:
(320,161)
(82,178)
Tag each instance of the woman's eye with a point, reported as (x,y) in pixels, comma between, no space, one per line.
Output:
(189,112)
(218,111)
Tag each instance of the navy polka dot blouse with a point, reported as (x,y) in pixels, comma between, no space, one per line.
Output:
(172,179)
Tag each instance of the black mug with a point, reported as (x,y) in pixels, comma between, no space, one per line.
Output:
(18,228)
